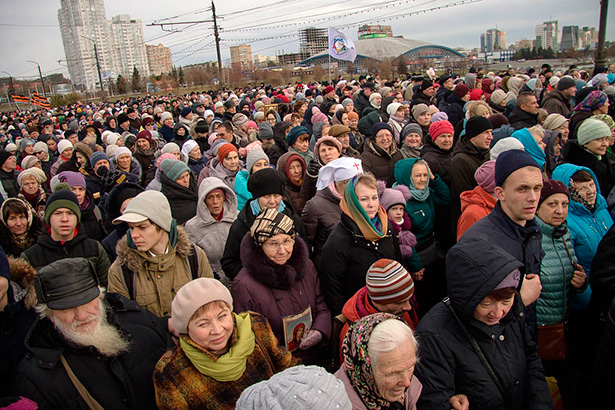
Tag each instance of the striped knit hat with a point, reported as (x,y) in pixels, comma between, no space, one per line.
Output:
(270,223)
(388,282)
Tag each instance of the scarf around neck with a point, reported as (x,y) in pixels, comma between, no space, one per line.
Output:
(372,230)
(230,366)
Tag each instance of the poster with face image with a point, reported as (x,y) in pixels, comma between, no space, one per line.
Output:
(296,327)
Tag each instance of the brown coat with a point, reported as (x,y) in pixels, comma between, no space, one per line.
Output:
(379,162)
(157,278)
(179,385)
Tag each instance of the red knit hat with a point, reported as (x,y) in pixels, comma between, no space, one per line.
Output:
(440,127)
(145,134)
(475,94)
(328,89)
(388,282)
(224,150)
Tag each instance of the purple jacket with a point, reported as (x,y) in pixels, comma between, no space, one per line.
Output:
(277,291)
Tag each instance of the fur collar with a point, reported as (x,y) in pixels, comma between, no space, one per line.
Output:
(270,274)
(133,259)
(23,274)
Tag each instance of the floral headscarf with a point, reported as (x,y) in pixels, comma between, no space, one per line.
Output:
(357,361)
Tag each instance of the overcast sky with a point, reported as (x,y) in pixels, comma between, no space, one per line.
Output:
(29,28)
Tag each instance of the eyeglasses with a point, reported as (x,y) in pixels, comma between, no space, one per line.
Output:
(286,244)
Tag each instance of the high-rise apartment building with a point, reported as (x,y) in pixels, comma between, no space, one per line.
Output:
(119,43)
(547,35)
(571,38)
(159,59)
(241,57)
(492,39)
(312,41)
(128,45)
(83,23)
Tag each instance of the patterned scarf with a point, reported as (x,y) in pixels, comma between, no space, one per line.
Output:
(350,206)
(576,196)
(357,362)
(594,100)
(230,366)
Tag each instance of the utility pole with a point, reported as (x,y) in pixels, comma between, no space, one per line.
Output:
(12,87)
(100,82)
(600,59)
(217,38)
(41,76)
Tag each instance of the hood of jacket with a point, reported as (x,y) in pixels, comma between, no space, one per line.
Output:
(172,189)
(269,273)
(203,216)
(564,174)
(477,196)
(284,163)
(134,259)
(403,169)
(474,268)
(185,127)
(530,145)
(550,159)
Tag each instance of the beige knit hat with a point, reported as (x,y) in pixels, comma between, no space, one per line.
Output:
(192,296)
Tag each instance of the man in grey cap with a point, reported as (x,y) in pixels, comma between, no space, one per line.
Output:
(88,348)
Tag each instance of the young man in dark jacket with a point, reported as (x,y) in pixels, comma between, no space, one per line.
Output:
(105,341)
(65,237)
(558,100)
(511,224)
(483,303)
(362,100)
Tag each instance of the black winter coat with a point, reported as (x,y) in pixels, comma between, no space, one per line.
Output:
(9,182)
(555,103)
(320,216)
(92,220)
(46,251)
(604,171)
(182,200)
(455,108)
(123,382)
(348,255)
(231,260)
(603,376)
(522,119)
(379,162)
(602,278)
(439,160)
(360,103)
(466,160)
(449,365)
(522,242)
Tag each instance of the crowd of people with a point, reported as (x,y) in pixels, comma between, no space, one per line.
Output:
(418,242)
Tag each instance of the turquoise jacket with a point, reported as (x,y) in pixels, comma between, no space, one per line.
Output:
(586,228)
(531,146)
(422,214)
(556,271)
(241,189)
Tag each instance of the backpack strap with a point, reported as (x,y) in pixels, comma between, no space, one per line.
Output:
(128,277)
(193,262)
(83,392)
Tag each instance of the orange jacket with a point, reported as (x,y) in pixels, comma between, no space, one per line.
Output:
(475,205)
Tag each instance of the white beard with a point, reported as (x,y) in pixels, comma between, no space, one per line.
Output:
(104,337)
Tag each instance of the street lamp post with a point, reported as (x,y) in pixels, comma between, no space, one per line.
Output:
(102,89)
(40,75)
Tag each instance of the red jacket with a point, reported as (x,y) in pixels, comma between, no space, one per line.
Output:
(475,204)
(359,306)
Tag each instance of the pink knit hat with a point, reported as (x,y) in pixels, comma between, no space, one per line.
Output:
(192,296)
(485,176)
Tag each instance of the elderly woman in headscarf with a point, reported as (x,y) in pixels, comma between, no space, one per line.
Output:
(427,190)
(220,354)
(31,188)
(362,237)
(20,226)
(474,348)
(278,280)
(380,354)
(596,102)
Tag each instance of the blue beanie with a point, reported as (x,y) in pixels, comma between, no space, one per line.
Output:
(295,133)
(173,168)
(97,156)
(185,111)
(510,161)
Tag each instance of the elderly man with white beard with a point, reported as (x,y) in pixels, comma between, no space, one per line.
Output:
(88,348)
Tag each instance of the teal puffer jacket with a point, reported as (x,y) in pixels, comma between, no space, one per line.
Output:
(555,274)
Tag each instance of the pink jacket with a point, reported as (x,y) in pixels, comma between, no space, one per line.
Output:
(412,394)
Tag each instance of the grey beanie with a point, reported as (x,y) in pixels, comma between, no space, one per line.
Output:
(253,156)
(297,388)
(265,132)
